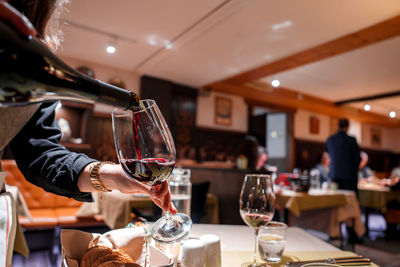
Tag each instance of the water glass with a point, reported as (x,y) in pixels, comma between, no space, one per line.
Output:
(272,241)
(171,249)
(181,190)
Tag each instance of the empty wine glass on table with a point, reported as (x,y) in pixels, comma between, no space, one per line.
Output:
(257,204)
(146,151)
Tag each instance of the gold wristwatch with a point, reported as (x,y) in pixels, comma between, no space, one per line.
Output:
(94,173)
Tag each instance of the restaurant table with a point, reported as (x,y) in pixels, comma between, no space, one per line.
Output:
(321,210)
(116,208)
(237,244)
(373,196)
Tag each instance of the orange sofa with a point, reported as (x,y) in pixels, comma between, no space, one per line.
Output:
(47,210)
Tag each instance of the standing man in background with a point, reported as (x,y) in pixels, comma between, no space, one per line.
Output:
(345,157)
(345,160)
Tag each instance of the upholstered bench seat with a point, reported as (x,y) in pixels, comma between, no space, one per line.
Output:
(47,210)
(67,218)
(41,218)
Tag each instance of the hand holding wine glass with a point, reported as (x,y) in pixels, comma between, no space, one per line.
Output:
(257,203)
(146,151)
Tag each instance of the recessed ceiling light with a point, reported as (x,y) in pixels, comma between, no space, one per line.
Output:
(111,49)
(284,24)
(392,114)
(275,83)
(367,107)
(168,46)
(152,42)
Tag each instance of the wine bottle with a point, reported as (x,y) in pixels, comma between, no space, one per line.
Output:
(31,73)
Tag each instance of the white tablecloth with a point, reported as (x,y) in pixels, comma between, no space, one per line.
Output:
(241,238)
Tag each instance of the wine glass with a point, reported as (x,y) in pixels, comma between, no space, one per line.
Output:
(257,204)
(146,151)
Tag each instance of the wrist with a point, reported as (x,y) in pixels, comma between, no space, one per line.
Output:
(108,175)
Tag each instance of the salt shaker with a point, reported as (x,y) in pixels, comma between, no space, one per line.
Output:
(212,250)
(193,253)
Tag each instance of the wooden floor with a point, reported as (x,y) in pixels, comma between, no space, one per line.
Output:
(36,259)
(382,252)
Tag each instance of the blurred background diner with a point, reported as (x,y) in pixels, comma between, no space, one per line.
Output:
(323,166)
(306,91)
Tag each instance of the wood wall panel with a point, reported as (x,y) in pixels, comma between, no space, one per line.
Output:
(308,153)
(101,139)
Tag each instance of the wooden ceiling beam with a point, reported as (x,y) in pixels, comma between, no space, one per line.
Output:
(367,36)
(369,98)
(287,98)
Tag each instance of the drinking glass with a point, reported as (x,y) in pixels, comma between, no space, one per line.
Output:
(272,241)
(146,150)
(257,204)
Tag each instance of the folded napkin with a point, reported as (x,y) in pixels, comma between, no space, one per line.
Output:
(130,240)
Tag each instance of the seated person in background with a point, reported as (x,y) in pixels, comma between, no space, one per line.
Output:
(262,159)
(246,153)
(364,171)
(393,180)
(323,167)
(395,172)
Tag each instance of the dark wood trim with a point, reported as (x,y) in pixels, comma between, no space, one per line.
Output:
(310,141)
(369,98)
(375,149)
(273,107)
(219,130)
(74,104)
(364,37)
(102,115)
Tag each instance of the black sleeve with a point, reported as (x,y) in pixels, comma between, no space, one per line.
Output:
(43,160)
(356,152)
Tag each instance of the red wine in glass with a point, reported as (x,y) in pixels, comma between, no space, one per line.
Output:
(149,171)
(146,151)
(135,129)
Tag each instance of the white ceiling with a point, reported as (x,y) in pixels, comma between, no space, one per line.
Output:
(367,71)
(214,39)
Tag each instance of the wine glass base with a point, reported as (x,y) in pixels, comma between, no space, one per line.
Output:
(258,264)
(173,229)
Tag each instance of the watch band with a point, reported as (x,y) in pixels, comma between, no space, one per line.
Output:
(94,174)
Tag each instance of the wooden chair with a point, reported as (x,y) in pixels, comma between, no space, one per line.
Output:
(392,217)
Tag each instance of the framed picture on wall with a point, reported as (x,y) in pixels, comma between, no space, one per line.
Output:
(314,125)
(223,111)
(376,137)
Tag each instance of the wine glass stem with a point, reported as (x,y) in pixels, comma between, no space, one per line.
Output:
(168,217)
(255,247)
